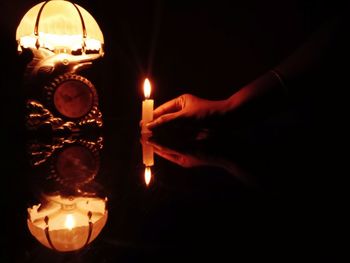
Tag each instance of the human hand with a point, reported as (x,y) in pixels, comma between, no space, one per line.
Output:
(186,106)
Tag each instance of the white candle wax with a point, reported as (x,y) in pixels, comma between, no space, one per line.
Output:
(147,114)
(147,106)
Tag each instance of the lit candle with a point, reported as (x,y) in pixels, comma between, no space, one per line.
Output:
(147,151)
(147,106)
(148,175)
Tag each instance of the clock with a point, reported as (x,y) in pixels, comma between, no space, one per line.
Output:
(69,102)
(76,165)
(67,164)
(72,97)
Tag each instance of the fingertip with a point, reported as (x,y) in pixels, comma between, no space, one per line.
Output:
(150,125)
(154,124)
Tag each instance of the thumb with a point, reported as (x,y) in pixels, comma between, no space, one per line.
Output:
(163,119)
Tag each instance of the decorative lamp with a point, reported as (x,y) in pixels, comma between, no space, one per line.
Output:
(63,39)
(60,26)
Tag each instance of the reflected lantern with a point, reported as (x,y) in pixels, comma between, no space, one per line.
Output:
(67,224)
(63,39)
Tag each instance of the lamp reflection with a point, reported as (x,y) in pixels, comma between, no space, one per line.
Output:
(67,223)
(72,207)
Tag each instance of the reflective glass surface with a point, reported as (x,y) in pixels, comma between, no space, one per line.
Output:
(263,188)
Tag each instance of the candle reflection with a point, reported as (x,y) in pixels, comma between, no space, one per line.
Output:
(147,158)
(148,175)
(147,151)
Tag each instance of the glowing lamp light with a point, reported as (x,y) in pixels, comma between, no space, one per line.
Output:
(60,26)
(67,224)
(70,222)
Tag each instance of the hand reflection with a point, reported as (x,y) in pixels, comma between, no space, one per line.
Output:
(183,159)
(202,158)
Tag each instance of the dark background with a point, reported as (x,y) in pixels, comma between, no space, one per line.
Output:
(210,49)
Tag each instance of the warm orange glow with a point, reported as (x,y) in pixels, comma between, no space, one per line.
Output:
(147,88)
(70,222)
(63,224)
(59,27)
(148,175)
(53,42)
(147,150)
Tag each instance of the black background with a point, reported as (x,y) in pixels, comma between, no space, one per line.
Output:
(210,49)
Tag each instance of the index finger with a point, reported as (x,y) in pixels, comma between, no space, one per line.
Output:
(168,107)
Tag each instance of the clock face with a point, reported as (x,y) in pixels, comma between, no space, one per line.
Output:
(76,164)
(73,99)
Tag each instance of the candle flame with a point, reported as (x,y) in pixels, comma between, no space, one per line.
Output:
(147,88)
(148,175)
(70,222)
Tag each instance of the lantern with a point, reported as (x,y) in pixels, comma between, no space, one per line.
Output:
(59,26)
(64,39)
(67,224)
